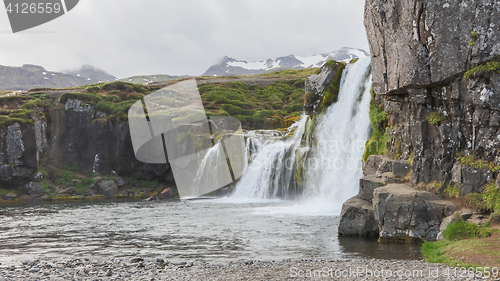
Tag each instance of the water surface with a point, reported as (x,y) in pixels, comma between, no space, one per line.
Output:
(212,230)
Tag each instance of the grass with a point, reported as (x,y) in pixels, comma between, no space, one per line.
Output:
(377,144)
(460,238)
(483,68)
(253,102)
(434,118)
(488,200)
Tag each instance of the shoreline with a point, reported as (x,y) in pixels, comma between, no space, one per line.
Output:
(138,269)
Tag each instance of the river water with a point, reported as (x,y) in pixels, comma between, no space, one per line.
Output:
(209,230)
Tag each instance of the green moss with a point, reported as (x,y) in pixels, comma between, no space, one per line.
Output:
(377,144)
(332,93)
(480,69)
(452,191)
(35,103)
(472,43)
(477,163)
(460,229)
(488,200)
(65,178)
(434,118)
(354,60)
(84,184)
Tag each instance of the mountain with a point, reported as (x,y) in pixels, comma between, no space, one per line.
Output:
(92,74)
(31,76)
(230,66)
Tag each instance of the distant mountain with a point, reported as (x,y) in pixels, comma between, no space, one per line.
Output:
(92,74)
(230,66)
(31,76)
(141,79)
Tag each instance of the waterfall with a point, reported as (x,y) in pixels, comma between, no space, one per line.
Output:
(334,169)
(331,166)
(270,173)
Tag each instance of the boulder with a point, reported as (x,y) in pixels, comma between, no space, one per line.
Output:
(357,219)
(33,189)
(470,179)
(404,213)
(377,164)
(37,177)
(120,182)
(108,188)
(97,179)
(10,196)
(167,193)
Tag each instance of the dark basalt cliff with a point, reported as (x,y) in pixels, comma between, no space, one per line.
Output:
(420,52)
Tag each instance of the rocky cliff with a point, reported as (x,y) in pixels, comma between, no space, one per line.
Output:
(438,79)
(435,67)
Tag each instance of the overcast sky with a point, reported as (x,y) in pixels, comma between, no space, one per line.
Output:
(125,37)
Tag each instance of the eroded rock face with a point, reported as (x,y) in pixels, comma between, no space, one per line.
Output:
(21,148)
(316,84)
(108,188)
(416,43)
(404,213)
(419,55)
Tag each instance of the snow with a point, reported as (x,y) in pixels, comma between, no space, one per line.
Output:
(256,65)
(311,61)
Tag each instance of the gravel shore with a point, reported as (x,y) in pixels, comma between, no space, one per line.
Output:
(138,269)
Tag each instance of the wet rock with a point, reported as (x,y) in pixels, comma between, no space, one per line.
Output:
(404,213)
(316,84)
(357,218)
(33,189)
(108,188)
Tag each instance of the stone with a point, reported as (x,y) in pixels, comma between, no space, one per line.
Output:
(37,177)
(478,219)
(97,179)
(10,196)
(316,84)
(444,224)
(108,188)
(368,184)
(167,193)
(114,174)
(33,189)
(404,213)
(108,273)
(357,218)
(377,164)
(135,260)
(120,182)
(400,168)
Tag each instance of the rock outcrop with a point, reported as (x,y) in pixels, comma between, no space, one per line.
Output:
(420,52)
(390,209)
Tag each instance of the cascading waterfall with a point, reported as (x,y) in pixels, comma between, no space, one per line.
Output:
(332,166)
(334,169)
(270,174)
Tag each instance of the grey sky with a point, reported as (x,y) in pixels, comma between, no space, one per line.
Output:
(126,37)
